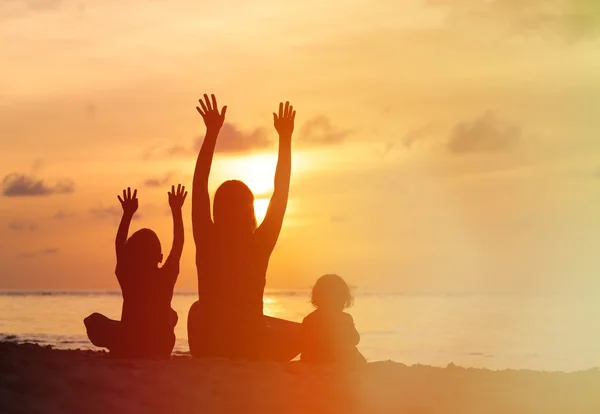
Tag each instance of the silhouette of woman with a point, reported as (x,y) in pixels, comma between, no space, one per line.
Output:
(232,255)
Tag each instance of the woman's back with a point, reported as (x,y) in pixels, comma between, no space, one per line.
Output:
(232,277)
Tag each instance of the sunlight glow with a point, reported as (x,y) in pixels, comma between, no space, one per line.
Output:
(260,208)
(258,170)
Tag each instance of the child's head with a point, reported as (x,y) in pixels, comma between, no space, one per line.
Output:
(143,248)
(332,293)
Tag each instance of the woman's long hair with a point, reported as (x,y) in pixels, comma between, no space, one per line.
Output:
(233,208)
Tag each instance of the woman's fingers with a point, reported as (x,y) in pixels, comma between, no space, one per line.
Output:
(214,101)
(207,102)
(202,105)
(134,193)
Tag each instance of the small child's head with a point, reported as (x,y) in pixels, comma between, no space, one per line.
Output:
(331,293)
(143,248)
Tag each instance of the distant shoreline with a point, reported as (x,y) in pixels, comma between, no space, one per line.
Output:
(295,292)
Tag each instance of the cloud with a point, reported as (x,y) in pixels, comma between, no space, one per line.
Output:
(106,212)
(102,213)
(231,140)
(415,135)
(154,182)
(571,19)
(484,134)
(409,139)
(62,215)
(320,131)
(17,225)
(20,185)
(45,252)
(316,131)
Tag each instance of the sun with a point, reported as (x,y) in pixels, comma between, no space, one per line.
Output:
(257,171)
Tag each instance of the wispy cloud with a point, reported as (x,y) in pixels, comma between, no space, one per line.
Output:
(109,212)
(17,225)
(45,252)
(415,135)
(154,182)
(62,215)
(106,212)
(483,134)
(320,131)
(21,185)
(231,140)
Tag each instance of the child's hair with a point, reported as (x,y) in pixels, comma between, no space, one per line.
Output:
(144,245)
(331,290)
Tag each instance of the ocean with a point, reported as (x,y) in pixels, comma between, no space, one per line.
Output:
(548,332)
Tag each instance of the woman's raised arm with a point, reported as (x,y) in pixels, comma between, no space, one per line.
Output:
(268,232)
(201,218)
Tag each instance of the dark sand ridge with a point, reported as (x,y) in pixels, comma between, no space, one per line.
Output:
(35,379)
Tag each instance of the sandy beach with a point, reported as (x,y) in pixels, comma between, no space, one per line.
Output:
(35,379)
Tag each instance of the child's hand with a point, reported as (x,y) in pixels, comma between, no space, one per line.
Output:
(177,198)
(284,123)
(129,202)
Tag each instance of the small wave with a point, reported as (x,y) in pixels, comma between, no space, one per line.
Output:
(9,338)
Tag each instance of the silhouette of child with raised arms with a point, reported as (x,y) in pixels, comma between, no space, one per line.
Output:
(147,319)
(328,333)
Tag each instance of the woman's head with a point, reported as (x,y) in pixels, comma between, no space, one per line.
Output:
(233,207)
(331,292)
(143,247)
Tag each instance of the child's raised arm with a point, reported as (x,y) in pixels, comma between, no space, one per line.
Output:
(268,232)
(176,200)
(129,202)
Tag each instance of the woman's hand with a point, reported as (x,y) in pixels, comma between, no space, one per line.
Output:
(284,122)
(210,113)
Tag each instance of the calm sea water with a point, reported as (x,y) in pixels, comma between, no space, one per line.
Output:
(542,332)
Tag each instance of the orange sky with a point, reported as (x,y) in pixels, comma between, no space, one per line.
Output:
(439,145)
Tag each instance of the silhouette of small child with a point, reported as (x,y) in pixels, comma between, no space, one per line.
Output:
(328,333)
(146,328)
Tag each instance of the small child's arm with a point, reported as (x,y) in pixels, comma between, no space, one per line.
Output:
(129,202)
(176,200)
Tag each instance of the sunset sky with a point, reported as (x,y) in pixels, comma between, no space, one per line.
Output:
(439,145)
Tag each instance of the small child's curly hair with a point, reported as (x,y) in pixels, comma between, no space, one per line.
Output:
(331,291)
